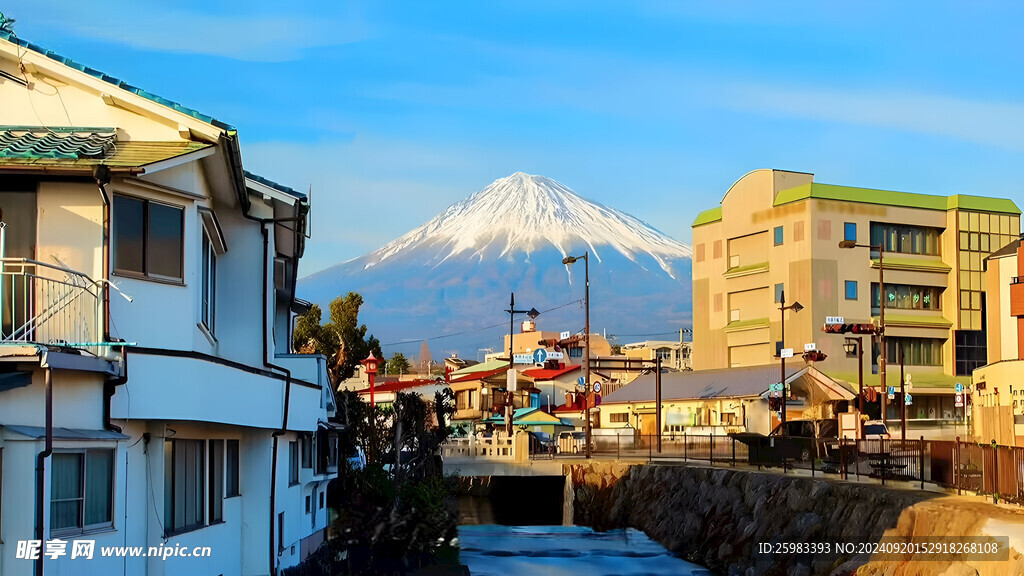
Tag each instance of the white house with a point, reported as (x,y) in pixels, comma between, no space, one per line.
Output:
(148,396)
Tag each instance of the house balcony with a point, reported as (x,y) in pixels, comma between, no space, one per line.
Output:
(1017,296)
(49,304)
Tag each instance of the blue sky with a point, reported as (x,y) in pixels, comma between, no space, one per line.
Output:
(391,111)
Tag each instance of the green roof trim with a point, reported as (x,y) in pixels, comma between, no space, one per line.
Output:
(944,383)
(12,38)
(911,320)
(747,324)
(891,198)
(913,264)
(708,216)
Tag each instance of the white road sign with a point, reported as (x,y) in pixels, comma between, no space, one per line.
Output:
(597,386)
(523,359)
(555,355)
(511,376)
(958,400)
(564,335)
(810,347)
(787,353)
(834,320)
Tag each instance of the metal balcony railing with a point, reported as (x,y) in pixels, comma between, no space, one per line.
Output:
(48,304)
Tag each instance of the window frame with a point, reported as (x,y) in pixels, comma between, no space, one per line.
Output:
(170,487)
(232,459)
(846,231)
(145,273)
(293,463)
(82,527)
(208,285)
(779,235)
(215,474)
(846,289)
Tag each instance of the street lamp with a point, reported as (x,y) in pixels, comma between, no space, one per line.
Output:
(370,364)
(881,311)
(568,260)
(795,307)
(855,347)
(509,394)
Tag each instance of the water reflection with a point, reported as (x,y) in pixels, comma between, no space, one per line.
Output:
(565,550)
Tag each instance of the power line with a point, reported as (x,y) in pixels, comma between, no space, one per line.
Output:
(475,329)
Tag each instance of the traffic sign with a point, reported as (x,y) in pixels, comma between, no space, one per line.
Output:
(581,381)
(892,392)
(511,377)
(787,353)
(540,355)
(959,388)
(834,320)
(908,399)
(564,335)
(522,359)
(810,347)
(581,386)
(958,400)
(597,386)
(555,355)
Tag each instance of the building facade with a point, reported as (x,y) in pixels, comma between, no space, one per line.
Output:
(149,395)
(777,233)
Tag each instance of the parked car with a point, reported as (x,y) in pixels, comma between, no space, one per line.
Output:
(875,435)
(574,442)
(541,442)
(800,437)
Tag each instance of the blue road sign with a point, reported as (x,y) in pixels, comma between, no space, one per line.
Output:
(959,387)
(892,390)
(540,355)
(581,381)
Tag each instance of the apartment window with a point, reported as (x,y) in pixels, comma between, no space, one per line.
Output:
(906,239)
(619,417)
(81,490)
(209,285)
(971,351)
(231,472)
(779,288)
(184,481)
(216,474)
(916,351)
(907,297)
(850,231)
(293,463)
(778,235)
(851,289)
(307,451)
(148,238)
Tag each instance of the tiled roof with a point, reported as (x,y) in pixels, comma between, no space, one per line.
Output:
(11,37)
(398,386)
(274,185)
(60,143)
(72,147)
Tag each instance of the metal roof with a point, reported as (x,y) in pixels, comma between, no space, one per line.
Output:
(279,187)
(13,38)
(722,383)
(37,432)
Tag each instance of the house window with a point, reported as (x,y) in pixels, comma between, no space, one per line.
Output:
(231,473)
(293,463)
(851,289)
(779,288)
(184,483)
(663,353)
(307,451)
(148,238)
(850,231)
(308,499)
(280,532)
(620,417)
(778,235)
(209,285)
(216,481)
(575,352)
(322,500)
(81,491)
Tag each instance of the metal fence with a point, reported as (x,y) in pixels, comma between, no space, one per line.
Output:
(47,304)
(984,469)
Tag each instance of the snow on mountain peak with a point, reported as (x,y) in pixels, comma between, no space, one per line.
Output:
(523,213)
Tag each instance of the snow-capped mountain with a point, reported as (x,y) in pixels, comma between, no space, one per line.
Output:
(455,273)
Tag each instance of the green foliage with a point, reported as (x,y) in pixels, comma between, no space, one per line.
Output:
(398,364)
(341,338)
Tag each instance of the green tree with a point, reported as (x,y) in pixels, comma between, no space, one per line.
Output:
(398,364)
(342,339)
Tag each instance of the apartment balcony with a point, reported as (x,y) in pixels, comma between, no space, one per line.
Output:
(49,304)
(1017,296)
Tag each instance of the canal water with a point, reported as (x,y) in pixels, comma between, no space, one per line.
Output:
(517,531)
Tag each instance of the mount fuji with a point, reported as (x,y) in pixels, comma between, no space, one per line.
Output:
(452,276)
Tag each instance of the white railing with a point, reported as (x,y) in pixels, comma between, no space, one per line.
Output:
(48,304)
(493,448)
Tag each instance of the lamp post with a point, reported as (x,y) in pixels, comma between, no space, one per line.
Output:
(795,307)
(881,311)
(370,364)
(855,347)
(509,393)
(586,338)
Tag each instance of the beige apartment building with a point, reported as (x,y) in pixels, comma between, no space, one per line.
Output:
(779,231)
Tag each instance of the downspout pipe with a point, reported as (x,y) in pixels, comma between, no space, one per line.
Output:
(108,392)
(41,468)
(101,174)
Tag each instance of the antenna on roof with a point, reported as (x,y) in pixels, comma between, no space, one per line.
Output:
(6,24)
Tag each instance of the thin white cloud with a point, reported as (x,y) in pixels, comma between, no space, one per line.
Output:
(268,36)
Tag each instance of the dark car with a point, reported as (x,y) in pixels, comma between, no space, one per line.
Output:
(827,428)
(794,440)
